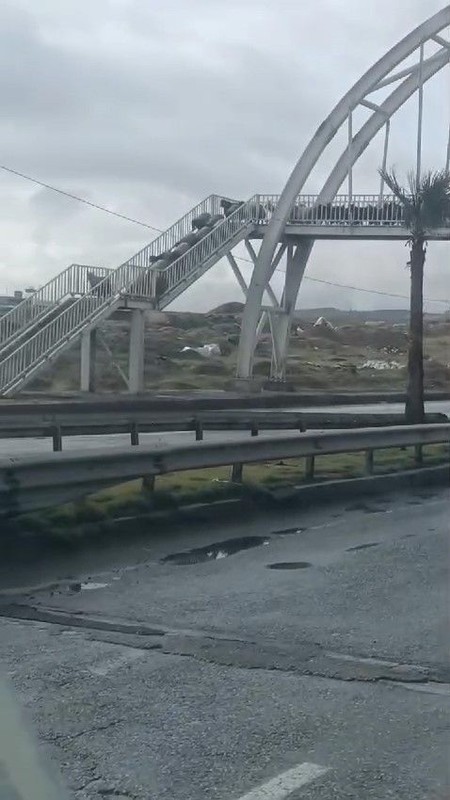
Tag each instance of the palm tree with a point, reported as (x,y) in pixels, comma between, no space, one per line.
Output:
(426,206)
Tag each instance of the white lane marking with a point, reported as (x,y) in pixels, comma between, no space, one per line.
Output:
(286,783)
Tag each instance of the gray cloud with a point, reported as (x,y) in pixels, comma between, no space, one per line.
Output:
(148,107)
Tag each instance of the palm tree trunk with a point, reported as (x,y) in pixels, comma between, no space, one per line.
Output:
(414,410)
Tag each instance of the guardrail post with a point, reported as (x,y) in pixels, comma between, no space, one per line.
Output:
(369,462)
(134,433)
(309,468)
(254,430)
(418,454)
(198,430)
(148,484)
(57,439)
(301,425)
(236,473)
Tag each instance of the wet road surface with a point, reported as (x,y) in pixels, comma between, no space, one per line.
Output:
(293,655)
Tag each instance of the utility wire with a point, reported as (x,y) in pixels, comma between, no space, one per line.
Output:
(80,199)
(239,258)
(349,286)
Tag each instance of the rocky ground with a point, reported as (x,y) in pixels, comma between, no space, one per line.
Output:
(350,353)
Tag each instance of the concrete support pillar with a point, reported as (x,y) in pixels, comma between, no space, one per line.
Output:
(261,275)
(88,361)
(281,328)
(136,353)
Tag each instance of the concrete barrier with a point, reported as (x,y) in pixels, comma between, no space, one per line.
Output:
(34,482)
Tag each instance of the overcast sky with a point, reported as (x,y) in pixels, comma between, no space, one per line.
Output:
(148,106)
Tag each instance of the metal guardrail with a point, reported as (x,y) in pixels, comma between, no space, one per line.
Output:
(31,483)
(104,422)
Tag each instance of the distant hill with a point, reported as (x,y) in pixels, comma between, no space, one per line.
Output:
(337,316)
(340,317)
(392,316)
(228,308)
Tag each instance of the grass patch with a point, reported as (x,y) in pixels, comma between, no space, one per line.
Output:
(92,518)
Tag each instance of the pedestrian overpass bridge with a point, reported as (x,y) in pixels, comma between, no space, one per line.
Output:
(72,305)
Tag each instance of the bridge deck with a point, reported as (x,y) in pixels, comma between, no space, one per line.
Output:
(355,232)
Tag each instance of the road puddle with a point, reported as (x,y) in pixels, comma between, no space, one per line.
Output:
(84,587)
(362,546)
(216,551)
(367,508)
(289,565)
(287,532)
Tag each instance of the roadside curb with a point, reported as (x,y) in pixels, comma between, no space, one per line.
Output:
(325,492)
(256,501)
(303,496)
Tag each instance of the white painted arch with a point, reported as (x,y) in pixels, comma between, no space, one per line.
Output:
(380,74)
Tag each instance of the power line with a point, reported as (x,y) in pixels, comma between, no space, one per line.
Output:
(372,291)
(349,286)
(80,199)
(239,258)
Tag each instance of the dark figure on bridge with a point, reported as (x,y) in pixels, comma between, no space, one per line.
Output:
(201,221)
(100,286)
(229,206)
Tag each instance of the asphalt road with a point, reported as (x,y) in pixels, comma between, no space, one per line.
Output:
(150,671)
(17,447)
(436,406)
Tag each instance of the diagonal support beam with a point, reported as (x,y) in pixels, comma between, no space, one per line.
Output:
(297,259)
(408,72)
(372,106)
(440,40)
(242,282)
(237,273)
(261,324)
(270,292)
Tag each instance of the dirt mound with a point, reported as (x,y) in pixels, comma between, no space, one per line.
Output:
(388,339)
(227,308)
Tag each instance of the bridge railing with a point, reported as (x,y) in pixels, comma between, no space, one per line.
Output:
(93,303)
(160,282)
(72,282)
(361,209)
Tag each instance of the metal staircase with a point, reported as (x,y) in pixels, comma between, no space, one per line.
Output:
(48,322)
(36,310)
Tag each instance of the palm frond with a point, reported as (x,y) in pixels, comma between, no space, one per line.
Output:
(391,180)
(426,203)
(434,188)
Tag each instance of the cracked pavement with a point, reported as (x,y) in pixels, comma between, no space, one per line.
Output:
(190,680)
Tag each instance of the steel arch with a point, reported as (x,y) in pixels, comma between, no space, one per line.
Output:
(376,77)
